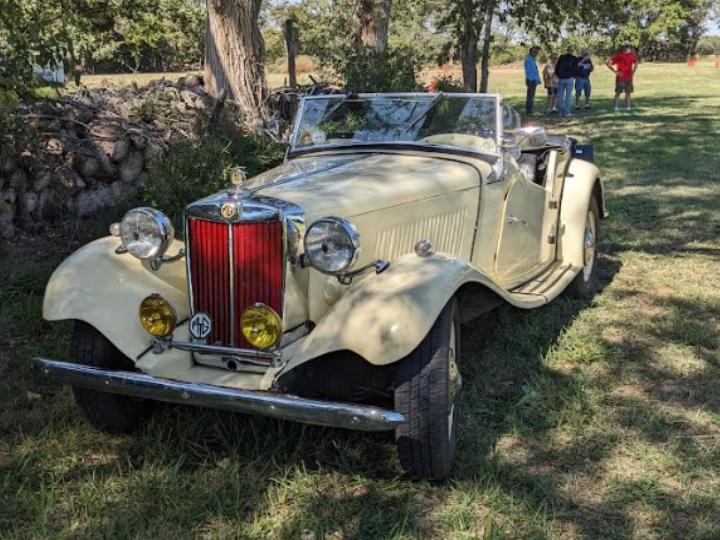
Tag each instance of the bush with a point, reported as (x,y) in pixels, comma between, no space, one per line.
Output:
(392,70)
(447,83)
(8,100)
(708,45)
(193,169)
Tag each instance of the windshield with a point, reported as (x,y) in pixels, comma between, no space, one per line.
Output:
(461,121)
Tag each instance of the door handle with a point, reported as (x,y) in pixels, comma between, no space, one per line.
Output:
(512,220)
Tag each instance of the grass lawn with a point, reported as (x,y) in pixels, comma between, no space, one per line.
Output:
(579,420)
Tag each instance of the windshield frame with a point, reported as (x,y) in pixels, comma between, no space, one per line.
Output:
(415,145)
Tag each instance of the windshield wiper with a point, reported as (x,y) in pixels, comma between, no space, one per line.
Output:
(343,101)
(427,111)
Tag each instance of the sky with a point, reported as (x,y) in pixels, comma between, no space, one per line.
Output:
(713,28)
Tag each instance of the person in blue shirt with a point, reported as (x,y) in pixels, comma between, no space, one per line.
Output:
(532,78)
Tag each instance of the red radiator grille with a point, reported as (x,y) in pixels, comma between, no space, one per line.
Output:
(257,272)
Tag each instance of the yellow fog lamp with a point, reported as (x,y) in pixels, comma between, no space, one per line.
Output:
(261,326)
(157,316)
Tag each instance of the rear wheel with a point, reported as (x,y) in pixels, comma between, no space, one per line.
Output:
(108,412)
(583,286)
(427,385)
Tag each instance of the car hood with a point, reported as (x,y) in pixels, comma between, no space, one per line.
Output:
(348,185)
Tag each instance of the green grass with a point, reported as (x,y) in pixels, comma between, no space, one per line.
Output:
(579,420)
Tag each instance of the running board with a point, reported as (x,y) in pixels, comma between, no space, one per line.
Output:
(545,286)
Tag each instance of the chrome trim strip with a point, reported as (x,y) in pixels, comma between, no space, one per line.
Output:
(285,406)
(231,363)
(499,123)
(190,346)
(231,283)
(186,225)
(296,124)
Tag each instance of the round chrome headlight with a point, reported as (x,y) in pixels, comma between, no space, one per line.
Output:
(146,233)
(332,245)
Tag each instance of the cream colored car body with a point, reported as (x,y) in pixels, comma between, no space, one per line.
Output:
(395,199)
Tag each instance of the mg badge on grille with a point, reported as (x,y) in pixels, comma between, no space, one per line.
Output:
(200,325)
(227,210)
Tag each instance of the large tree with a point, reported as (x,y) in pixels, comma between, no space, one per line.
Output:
(466,20)
(235,54)
(372,22)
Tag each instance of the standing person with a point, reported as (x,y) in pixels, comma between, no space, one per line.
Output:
(532,79)
(551,82)
(565,70)
(624,64)
(583,69)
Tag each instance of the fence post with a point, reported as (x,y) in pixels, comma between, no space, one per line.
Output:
(291,46)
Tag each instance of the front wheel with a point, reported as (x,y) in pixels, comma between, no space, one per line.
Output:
(428,381)
(583,286)
(108,412)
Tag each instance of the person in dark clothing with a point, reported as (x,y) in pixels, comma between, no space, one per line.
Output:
(565,70)
(583,68)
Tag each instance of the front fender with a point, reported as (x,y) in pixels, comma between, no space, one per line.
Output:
(581,183)
(385,316)
(105,289)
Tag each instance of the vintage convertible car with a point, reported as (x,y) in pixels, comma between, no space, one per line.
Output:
(330,290)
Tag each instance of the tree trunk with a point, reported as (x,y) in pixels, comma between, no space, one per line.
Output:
(372,22)
(234,55)
(487,39)
(469,58)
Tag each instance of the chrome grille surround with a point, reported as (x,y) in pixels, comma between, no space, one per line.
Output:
(251,208)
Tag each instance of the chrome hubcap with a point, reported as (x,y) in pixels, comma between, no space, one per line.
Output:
(589,247)
(454,377)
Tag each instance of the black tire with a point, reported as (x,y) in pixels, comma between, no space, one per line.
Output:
(585,283)
(108,412)
(427,442)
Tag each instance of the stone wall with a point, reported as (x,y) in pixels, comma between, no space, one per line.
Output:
(91,150)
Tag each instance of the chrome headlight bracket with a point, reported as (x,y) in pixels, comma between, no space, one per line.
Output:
(380,265)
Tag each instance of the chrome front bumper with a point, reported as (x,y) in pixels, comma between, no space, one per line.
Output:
(285,406)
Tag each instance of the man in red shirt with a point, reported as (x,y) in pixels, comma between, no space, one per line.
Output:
(623,64)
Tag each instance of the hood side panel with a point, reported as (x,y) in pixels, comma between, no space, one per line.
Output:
(447,221)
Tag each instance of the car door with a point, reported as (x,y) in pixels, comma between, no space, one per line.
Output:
(520,250)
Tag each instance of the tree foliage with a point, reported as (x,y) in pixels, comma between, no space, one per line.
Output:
(125,34)
(437,31)
(328,31)
(23,42)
